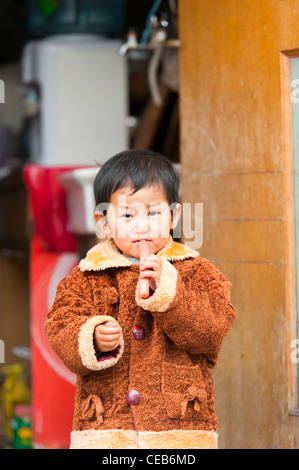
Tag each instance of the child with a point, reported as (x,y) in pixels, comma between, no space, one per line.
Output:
(142,364)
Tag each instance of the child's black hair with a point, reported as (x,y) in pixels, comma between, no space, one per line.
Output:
(136,169)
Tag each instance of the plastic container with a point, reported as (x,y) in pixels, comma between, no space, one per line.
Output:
(81,204)
(49,207)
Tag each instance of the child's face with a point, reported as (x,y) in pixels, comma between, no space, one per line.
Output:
(142,215)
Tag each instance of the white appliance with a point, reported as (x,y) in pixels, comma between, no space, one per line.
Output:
(80,199)
(83,88)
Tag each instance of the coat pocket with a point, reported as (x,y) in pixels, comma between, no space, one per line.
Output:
(92,409)
(184,391)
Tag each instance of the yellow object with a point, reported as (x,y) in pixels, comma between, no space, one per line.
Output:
(25,433)
(14,391)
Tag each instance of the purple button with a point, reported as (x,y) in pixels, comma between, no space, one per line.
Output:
(133,397)
(139,332)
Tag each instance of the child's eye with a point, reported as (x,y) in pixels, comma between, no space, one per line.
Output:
(126,216)
(153,213)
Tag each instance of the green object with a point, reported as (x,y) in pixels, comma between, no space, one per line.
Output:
(48,7)
(21,426)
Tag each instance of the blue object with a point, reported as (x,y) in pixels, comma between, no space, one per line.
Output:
(147,29)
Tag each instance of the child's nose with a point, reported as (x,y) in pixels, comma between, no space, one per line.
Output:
(142,225)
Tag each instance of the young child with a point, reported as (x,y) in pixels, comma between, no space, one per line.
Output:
(142,364)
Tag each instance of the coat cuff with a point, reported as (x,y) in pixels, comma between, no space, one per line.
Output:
(86,345)
(164,294)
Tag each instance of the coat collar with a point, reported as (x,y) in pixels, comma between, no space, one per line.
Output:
(106,255)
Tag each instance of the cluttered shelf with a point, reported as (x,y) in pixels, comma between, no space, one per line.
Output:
(15,405)
(15,417)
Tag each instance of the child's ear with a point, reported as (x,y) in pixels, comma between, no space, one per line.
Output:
(176,216)
(102,222)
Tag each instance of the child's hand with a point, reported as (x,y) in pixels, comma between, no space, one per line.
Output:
(151,268)
(107,336)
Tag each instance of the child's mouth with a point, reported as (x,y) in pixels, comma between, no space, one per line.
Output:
(136,242)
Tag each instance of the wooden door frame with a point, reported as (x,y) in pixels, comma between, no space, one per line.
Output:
(289,230)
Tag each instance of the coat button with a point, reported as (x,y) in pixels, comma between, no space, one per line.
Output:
(133,397)
(139,332)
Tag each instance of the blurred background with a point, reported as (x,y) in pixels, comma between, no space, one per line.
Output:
(80,81)
(214,86)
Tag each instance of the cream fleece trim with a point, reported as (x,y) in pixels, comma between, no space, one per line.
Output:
(177,439)
(102,256)
(164,294)
(104,439)
(121,439)
(106,255)
(174,251)
(86,345)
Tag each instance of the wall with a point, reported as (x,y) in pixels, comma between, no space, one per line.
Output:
(14,265)
(10,111)
(234,144)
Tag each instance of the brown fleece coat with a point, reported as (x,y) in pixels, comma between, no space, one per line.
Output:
(185,321)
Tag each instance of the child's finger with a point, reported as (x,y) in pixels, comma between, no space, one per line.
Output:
(106,330)
(109,341)
(112,324)
(151,268)
(151,274)
(108,337)
(154,263)
(108,346)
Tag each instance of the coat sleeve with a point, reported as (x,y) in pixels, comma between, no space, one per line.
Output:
(193,307)
(70,325)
